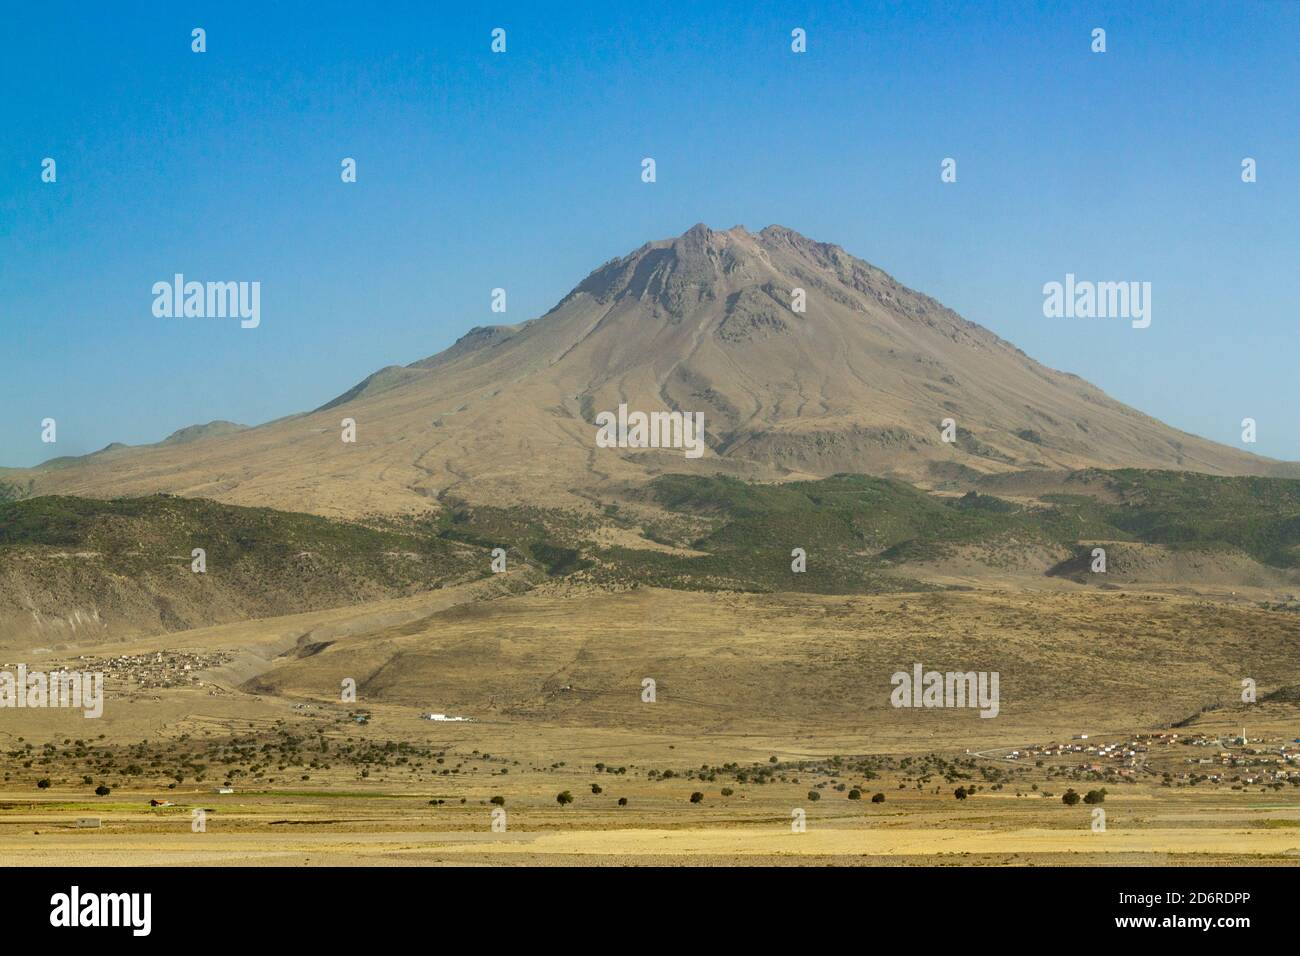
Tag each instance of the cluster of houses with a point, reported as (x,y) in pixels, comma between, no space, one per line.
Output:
(1265,762)
(1254,762)
(1124,754)
(161,669)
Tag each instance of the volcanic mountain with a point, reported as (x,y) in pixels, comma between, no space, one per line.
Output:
(858,381)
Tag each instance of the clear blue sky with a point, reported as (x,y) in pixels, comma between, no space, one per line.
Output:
(523,171)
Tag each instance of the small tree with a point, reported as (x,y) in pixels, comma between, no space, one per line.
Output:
(102,791)
(43,783)
(960,793)
(1095,796)
(563,798)
(697,797)
(814,795)
(855,794)
(1070,798)
(595,788)
(499,800)
(878,798)
(622,801)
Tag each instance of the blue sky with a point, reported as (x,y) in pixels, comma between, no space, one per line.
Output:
(522,170)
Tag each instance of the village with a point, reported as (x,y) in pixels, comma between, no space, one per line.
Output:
(156,671)
(1236,760)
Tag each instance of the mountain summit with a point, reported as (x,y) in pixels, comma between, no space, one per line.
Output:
(859,380)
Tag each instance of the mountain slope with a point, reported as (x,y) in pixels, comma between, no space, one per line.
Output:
(87,571)
(859,382)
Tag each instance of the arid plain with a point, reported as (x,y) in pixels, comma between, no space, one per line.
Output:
(762,701)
